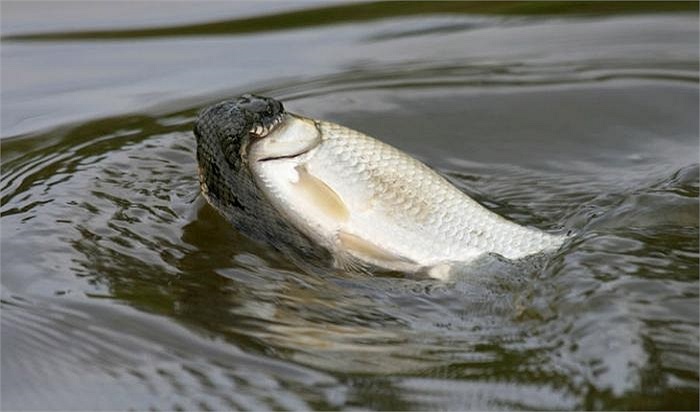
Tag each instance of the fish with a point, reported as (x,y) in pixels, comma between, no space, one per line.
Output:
(318,191)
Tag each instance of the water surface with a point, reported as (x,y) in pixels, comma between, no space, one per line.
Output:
(123,289)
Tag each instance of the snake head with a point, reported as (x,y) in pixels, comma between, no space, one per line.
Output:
(231,136)
(225,130)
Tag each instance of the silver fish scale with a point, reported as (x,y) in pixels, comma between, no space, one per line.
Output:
(424,215)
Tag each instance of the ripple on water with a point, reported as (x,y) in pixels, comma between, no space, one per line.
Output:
(116,274)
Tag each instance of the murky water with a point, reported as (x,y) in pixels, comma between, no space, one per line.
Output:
(122,288)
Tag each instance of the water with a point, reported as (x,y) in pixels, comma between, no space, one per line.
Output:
(122,288)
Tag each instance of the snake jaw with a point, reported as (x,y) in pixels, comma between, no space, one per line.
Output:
(265,126)
(286,137)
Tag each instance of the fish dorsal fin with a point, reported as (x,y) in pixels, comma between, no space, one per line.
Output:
(322,196)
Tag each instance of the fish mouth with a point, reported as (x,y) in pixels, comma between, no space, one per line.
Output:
(283,157)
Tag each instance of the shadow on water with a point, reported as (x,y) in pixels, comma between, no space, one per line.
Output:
(117,275)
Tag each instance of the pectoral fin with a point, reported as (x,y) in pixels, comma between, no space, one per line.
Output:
(322,196)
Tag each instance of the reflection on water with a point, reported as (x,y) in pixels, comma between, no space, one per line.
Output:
(362,12)
(122,289)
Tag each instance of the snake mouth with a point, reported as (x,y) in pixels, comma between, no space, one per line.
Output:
(266,126)
(285,137)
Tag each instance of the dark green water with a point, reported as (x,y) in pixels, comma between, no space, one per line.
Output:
(122,289)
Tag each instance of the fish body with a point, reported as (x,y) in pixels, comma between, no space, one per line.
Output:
(361,202)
